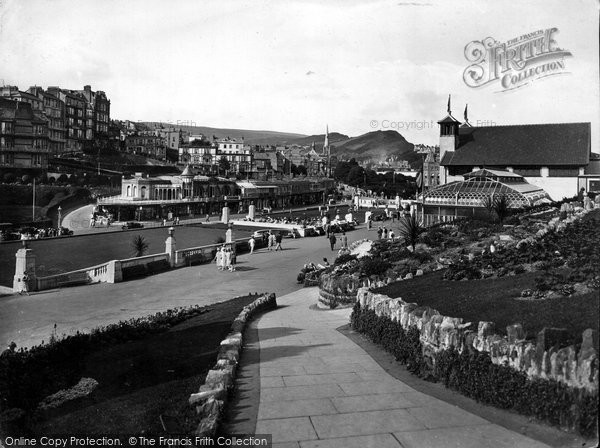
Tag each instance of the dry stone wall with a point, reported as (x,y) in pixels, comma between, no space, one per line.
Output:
(544,358)
(211,398)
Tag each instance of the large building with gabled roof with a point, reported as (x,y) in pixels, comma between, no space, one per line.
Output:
(555,157)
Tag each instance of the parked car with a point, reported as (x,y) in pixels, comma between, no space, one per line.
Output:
(132,225)
(65,231)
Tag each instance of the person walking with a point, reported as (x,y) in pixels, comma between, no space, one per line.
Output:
(379,232)
(385,233)
(233,259)
(344,241)
(392,235)
(25,284)
(278,239)
(251,244)
(227,259)
(332,241)
(219,258)
(271,241)
(207,217)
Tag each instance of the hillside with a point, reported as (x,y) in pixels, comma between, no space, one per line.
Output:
(334,138)
(377,145)
(251,137)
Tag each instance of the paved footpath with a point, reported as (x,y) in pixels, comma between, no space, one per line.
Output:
(320,389)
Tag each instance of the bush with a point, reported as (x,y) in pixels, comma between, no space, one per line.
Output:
(473,374)
(26,179)
(345,258)
(374,266)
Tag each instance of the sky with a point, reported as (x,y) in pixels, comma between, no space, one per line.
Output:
(297,66)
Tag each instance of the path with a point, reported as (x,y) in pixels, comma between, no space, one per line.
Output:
(28,320)
(320,389)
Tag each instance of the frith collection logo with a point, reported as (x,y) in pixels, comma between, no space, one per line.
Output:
(515,63)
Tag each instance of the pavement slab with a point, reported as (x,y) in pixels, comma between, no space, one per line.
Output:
(321,389)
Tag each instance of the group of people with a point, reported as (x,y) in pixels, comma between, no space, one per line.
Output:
(274,241)
(225,258)
(383,233)
(333,240)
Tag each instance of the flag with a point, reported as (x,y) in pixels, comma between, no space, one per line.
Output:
(420,179)
(449,111)
(466,106)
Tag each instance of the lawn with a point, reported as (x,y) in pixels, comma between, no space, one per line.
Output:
(498,300)
(142,380)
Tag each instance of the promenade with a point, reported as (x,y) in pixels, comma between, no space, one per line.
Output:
(28,320)
(318,388)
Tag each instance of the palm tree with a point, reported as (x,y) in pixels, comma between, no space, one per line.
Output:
(501,207)
(488,203)
(410,230)
(139,246)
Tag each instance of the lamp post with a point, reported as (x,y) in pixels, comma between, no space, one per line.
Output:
(140,213)
(59,215)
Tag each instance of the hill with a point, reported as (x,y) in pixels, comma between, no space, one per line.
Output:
(251,137)
(334,138)
(377,146)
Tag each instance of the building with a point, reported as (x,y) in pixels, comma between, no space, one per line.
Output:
(23,138)
(431,169)
(189,194)
(146,145)
(54,112)
(97,115)
(75,121)
(554,157)
(234,151)
(467,197)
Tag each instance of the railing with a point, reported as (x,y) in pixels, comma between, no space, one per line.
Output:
(94,274)
(129,262)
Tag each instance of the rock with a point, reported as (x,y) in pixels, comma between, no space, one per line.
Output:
(419,272)
(589,345)
(68,399)
(202,396)
(408,276)
(515,333)
(485,329)
(505,238)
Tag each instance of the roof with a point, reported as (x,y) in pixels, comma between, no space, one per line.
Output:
(532,144)
(448,119)
(491,173)
(187,171)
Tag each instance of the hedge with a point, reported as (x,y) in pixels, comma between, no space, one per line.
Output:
(473,374)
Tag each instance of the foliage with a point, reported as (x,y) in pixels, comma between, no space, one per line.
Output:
(9,178)
(224,164)
(501,207)
(473,374)
(345,258)
(410,230)
(376,266)
(404,345)
(29,375)
(139,246)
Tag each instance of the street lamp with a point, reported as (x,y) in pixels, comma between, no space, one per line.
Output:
(140,213)
(59,215)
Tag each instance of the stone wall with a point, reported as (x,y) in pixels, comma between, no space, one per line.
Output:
(544,358)
(211,398)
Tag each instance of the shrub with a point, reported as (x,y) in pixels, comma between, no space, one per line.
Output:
(26,179)
(139,246)
(374,266)
(410,230)
(345,258)
(473,374)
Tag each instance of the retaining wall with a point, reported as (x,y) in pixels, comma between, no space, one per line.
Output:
(544,358)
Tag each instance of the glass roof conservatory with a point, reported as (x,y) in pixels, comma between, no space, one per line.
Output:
(481,184)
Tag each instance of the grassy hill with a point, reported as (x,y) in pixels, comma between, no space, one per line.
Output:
(251,137)
(334,138)
(377,145)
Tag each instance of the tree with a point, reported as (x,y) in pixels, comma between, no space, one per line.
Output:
(410,230)
(139,246)
(501,207)
(302,170)
(224,165)
(356,176)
